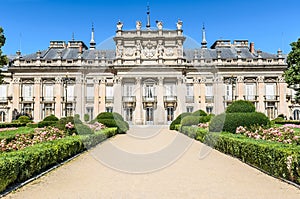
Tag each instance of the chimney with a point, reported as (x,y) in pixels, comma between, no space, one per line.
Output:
(252,48)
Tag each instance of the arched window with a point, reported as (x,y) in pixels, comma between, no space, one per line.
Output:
(2,116)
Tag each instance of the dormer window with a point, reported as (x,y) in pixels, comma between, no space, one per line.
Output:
(69,61)
(49,62)
(269,60)
(28,61)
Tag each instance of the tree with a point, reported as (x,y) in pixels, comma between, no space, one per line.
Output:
(3,58)
(292,74)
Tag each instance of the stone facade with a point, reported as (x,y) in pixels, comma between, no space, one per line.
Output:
(149,78)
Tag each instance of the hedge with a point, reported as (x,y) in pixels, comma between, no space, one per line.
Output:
(194,120)
(18,166)
(113,120)
(297,122)
(178,119)
(230,121)
(9,125)
(199,113)
(279,160)
(241,106)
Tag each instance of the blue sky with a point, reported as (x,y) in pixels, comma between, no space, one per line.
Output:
(29,25)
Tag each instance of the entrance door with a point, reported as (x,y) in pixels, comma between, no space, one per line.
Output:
(128,114)
(170,114)
(149,116)
(296,114)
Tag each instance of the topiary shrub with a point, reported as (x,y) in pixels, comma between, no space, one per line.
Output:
(241,106)
(194,120)
(24,119)
(51,118)
(178,120)
(113,120)
(230,121)
(199,113)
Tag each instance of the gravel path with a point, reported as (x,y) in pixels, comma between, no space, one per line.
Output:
(155,163)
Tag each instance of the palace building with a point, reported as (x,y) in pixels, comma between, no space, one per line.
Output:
(149,78)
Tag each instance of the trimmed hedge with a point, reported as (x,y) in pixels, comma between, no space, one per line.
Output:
(241,106)
(51,118)
(18,166)
(9,125)
(113,120)
(277,159)
(287,122)
(194,120)
(178,119)
(230,121)
(199,113)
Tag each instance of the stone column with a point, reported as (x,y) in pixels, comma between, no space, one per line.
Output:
(261,94)
(37,95)
(79,96)
(139,105)
(117,87)
(96,96)
(181,93)
(240,88)
(202,93)
(160,113)
(16,95)
(197,94)
(282,107)
(102,95)
(219,92)
(58,93)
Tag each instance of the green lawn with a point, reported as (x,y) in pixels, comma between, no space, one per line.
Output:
(11,133)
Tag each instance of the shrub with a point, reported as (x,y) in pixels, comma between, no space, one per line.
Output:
(42,124)
(32,125)
(241,106)
(51,118)
(194,120)
(230,121)
(105,115)
(83,129)
(24,119)
(117,116)
(199,113)
(121,125)
(61,124)
(178,120)
(86,117)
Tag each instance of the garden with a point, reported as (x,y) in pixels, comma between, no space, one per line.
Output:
(27,149)
(271,146)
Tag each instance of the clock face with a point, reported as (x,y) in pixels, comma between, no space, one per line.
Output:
(169,52)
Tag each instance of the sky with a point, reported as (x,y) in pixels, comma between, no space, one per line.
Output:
(30,25)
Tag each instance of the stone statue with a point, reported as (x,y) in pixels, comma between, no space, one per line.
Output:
(119,50)
(138,25)
(179,24)
(138,49)
(160,50)
(119,25)
(159,25)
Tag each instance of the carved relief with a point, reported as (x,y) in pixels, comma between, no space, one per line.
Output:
(160,50)
(16,80)
(119,50)
(240,79)
(149,50)
(281,79)
(37,80)
(58,80)
(138,50)
(260,79)
(169,52)
(129,52)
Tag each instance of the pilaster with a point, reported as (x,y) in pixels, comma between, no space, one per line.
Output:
(261,94)
(58,96)
(37,95)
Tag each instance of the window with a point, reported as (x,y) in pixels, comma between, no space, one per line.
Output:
(90,112)
(109,92)
(27,92)
(90,93)
(170,114)
(70,93)
(128,114)
(228,95)
(149,91)
(270,91)
(209,90)
(70,109)
(250,92)
(128,90)
(170,89)
(48,109)
(2,116)
(109,109)
(189,109)
(189,90)
(3,92)
(209,109)
(48,92)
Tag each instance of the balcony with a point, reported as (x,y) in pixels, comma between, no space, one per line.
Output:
(48,99)
(209,99)
(3,99)
(149,101)
(27,99)
(70,99)
(189,99)
(251,98)
(109,99)
(90,99)
(271,98)
(170,101)
(129,101)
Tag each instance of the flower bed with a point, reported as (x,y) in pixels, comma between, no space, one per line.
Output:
(18,166)
(277,159)
(283,134)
